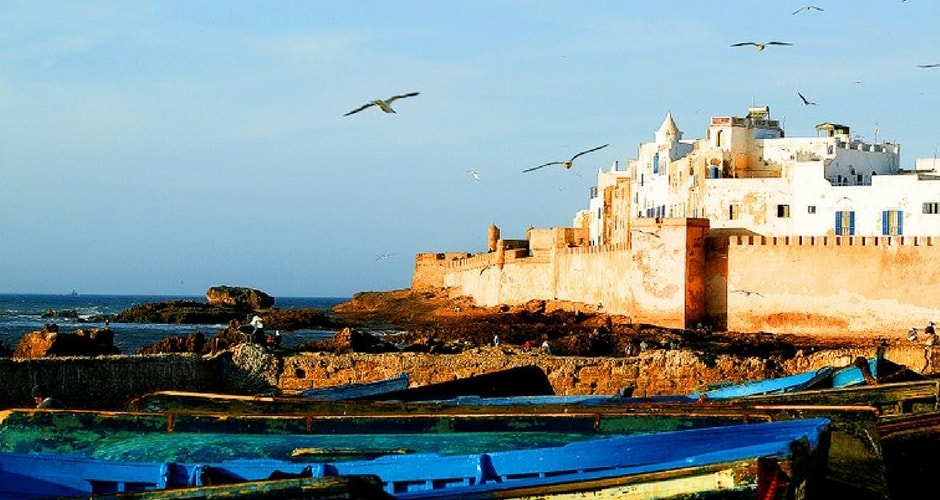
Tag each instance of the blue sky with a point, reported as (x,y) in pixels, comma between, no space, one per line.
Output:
(166,147)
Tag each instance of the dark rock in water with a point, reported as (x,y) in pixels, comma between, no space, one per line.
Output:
(241,298)
(49,342)
(65,313)
(179,312)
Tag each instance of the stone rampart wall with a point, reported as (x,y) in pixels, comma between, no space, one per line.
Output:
(869,285)
(794,284)
(656,372)
(644,280)
(109,382)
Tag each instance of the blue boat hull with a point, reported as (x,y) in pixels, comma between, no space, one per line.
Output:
(591,464)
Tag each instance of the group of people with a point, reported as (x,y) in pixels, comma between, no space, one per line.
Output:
(527,346)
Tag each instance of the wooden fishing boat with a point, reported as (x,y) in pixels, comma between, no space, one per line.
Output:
(528,385)
(517,381)
(427,426)
(776,459)
(313,488)
(358,391)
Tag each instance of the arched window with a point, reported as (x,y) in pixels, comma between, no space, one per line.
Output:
(719,137)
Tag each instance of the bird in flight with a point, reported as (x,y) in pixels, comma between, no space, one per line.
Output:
(384,256)
(936,65)
(806,102)
(567,163)
(760,46)
(474,172)
(383,104)
(807,8)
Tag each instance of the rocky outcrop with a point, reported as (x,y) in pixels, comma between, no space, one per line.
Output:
(49,342)
(241,298)
(178,312)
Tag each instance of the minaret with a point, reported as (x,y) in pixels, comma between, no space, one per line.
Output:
(668,132)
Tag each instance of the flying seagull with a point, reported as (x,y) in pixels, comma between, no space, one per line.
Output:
(384,105)
(474,172)
(807,8)
(760,46)
(567,163)
(806,102)
(936,65)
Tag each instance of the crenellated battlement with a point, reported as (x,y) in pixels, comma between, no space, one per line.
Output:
(835,241)
(584,250)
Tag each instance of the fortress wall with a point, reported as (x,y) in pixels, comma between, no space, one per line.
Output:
(109,381)
(644,279)
(429,271)
(880,285)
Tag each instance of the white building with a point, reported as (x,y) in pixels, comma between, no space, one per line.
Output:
(745,176)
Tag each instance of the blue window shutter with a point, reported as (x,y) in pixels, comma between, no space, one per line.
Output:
(656,163)
(900,223)
(852,223)
(885,226)
(838,223)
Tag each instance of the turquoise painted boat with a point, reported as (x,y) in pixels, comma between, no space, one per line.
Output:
(779,460)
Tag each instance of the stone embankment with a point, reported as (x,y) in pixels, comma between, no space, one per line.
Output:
(109,382)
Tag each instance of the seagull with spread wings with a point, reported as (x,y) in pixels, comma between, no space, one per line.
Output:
(806,102)
(807,8)
(383,104)
(760,46)
(566,163)
(935,65)
(474,173)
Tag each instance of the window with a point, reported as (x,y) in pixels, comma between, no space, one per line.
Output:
(656,163)
(845,223)
(932,207)
(892,223)
(734,212)
(783,211)
(811,209)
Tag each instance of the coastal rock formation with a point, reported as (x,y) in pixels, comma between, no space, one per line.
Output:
(240,298)
(179,312)
(49,342)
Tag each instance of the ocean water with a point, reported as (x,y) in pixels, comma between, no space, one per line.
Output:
(22,313)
